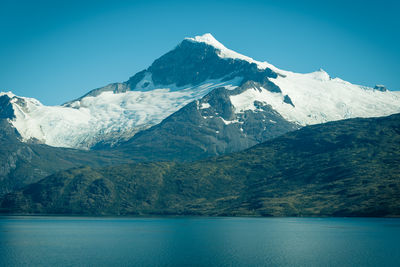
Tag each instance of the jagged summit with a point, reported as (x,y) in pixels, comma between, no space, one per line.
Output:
(207,38)
(9,94)
(199,59)
(224,52)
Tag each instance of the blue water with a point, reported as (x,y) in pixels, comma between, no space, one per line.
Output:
(85,241)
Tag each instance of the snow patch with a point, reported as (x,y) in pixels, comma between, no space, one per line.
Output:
(204,106)
(229,122)
(245,100)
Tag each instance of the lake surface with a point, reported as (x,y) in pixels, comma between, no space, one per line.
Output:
(88,241)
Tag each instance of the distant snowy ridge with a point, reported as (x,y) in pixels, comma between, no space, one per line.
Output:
(316,97)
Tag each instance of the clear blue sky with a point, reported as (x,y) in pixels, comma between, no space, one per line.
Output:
(56,51)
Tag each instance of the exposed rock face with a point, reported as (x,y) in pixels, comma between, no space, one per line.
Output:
(287,100)
(193,63)
(6,108)
(380,87)
(113,87)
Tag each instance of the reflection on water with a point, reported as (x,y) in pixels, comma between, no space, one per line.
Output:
(88,241)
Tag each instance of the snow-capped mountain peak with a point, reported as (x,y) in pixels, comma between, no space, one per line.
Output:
(208,39)
(228,53)
(223,51)
(9,94)
(189,72)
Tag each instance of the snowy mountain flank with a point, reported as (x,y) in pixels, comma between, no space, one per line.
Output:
(107,117)
(225,89)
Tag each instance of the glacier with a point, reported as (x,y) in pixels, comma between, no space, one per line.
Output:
(108,117)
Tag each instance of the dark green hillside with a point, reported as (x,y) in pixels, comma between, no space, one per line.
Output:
(24,163)
(343,168)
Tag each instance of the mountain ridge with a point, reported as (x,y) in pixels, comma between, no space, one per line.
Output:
(107,116)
